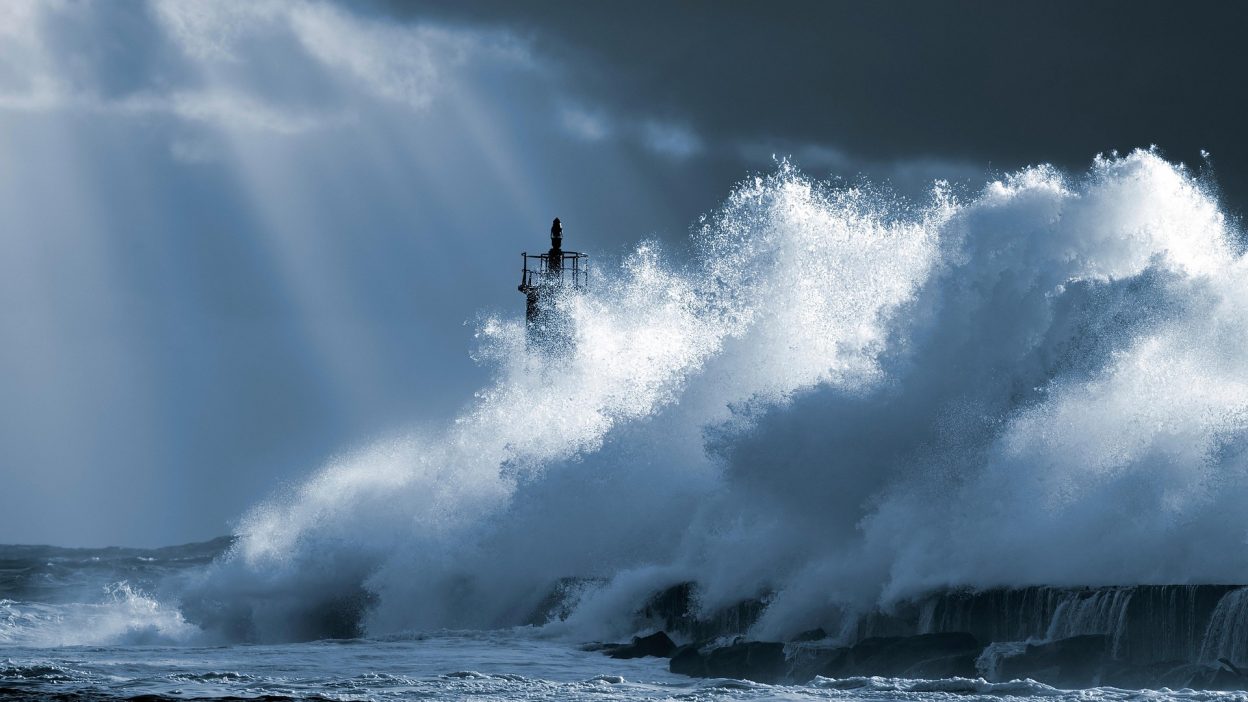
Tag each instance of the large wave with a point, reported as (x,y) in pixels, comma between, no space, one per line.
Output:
(845,398)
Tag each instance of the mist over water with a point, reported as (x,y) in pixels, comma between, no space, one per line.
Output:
(845,398)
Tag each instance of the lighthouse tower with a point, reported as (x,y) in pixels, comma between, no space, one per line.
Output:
(542,278)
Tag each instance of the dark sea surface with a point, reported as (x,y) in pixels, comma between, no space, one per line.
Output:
(87,624)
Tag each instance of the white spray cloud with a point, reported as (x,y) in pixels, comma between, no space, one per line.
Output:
(845,401)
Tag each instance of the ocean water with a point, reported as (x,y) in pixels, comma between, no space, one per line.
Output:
(836,397)
(504,665)
(87,624)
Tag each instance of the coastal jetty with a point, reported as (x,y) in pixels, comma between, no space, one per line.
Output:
(1141,636)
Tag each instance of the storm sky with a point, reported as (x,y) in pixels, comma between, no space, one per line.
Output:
(237,238)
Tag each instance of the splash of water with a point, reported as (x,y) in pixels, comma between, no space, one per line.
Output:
(123,615)
(844,399)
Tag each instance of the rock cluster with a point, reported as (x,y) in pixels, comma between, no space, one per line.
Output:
(1075,662)
(720,649)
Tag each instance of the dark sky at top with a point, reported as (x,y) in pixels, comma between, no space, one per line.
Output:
(238,238)
(1000,83)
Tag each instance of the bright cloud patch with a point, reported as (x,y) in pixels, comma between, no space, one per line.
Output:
(212,57)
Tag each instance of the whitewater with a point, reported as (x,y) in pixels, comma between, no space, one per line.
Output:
(833,401)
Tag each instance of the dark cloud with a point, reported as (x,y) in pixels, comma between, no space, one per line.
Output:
(1000,84)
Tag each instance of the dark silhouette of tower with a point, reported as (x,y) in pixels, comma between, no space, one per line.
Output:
(543,277)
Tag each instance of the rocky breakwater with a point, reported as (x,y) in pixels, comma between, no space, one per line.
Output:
(1131,637)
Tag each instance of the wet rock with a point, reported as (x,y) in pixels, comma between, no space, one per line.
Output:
(688,660)
(731,620)
(674,609)
(812,635)
(924,656)
(958,665)
(909,655)
(1078,661)
(1152,624)
(658,644)
(1173,674)
(1085,661)
(1222,675)
(561,600)
(808,660)
(759,661)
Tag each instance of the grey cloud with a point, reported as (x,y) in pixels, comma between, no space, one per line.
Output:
(585,124)
(672,140)
(999,84)
(210,53)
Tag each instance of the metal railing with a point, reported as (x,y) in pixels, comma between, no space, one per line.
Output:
(571,270)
